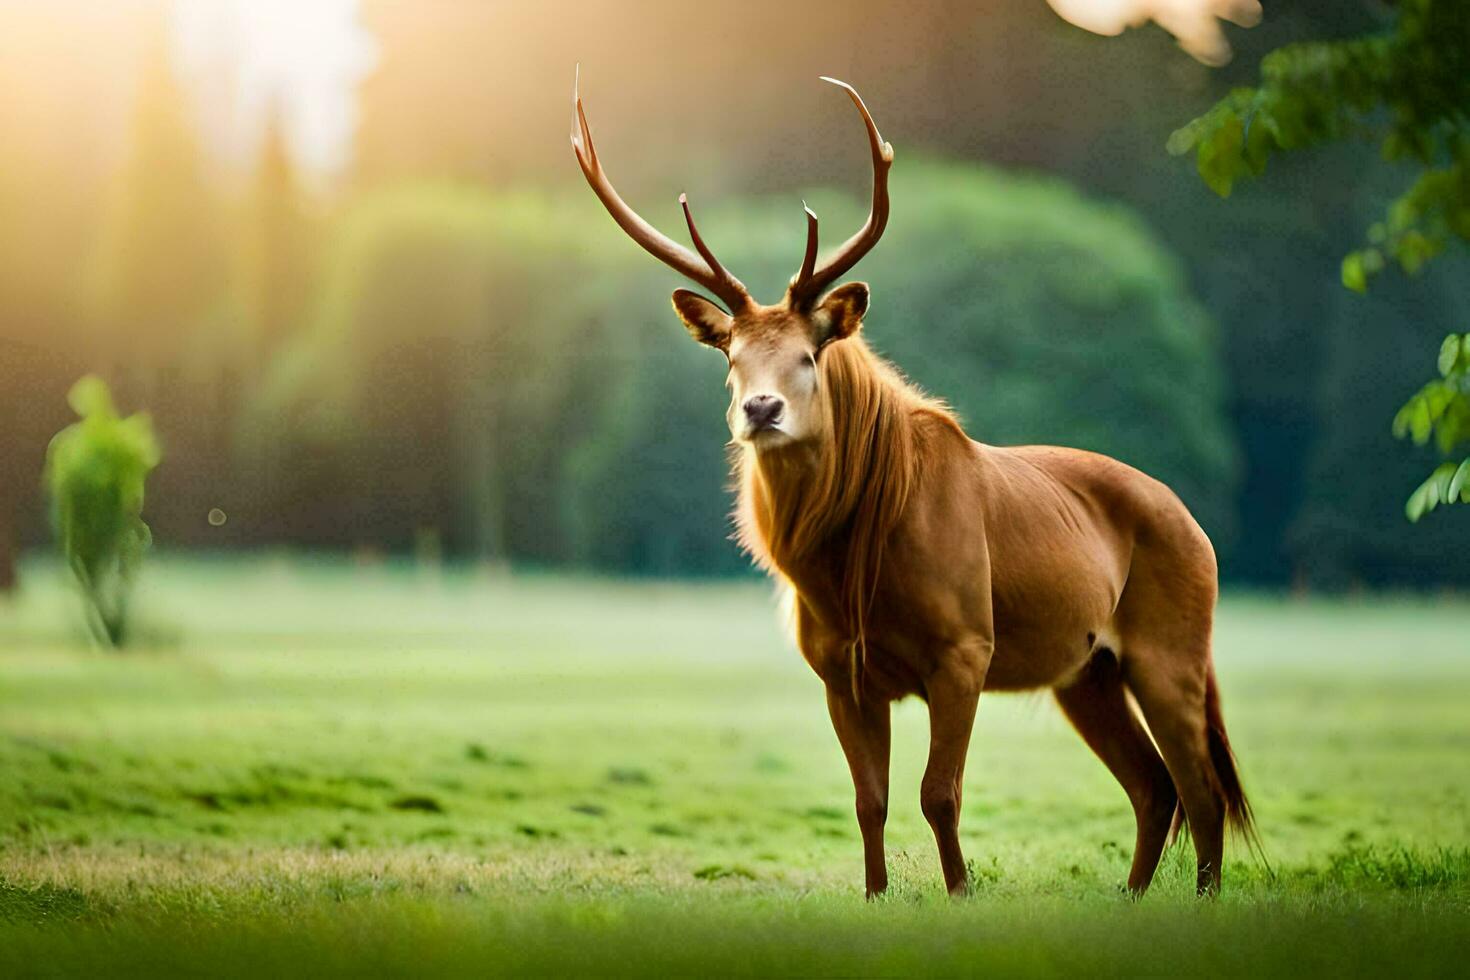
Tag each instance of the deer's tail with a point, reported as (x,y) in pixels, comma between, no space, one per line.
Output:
(1238,814)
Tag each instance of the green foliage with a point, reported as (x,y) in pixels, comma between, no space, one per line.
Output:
(1441,411)
(95,473)
(1046,317)
(437,373)
(1407,88)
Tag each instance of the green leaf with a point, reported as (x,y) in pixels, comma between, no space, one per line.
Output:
(1182,140)
(1449,353)
(1219,160)
(1459,487)
(1421,420)
(1401,420)
(1354,276)
(1432,492)
(1258,145)
(1417,505)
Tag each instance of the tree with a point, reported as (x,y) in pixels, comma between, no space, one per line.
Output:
(276,255)
(163,267)
(1407,88)
(274,273)
(161,297)
(432,375)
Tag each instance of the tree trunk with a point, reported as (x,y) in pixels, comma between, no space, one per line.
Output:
(7,550)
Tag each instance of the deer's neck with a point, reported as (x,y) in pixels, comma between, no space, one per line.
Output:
(784,520)
(819,514)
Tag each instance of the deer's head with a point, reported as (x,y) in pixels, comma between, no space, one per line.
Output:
(773,351)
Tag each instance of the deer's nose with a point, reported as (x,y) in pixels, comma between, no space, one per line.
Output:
(763,411)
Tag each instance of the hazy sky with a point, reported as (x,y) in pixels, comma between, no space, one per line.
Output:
(305,58)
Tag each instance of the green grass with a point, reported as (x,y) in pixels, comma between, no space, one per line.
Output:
(323,769)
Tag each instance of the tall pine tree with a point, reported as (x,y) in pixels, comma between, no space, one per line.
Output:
(160,310)
(162,267)
(276,253)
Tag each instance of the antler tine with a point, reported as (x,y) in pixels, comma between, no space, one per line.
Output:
(808,285)
(703,269)
(699,244)
(808,261)
(581,135)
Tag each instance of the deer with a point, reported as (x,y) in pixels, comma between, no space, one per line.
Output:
(924,563)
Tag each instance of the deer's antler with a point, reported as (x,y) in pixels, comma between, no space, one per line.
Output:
(703,269)
(811,282)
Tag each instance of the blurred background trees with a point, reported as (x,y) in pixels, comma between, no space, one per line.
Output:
(1406,87)
(433,334)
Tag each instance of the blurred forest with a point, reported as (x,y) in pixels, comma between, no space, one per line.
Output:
(445,346)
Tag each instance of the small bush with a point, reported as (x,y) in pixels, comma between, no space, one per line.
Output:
(41,903)
(95,472)
(719,872)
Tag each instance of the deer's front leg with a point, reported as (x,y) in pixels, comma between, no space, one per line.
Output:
(953,693)
(862,728)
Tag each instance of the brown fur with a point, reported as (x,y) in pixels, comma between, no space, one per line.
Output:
(850,487)
(925,563)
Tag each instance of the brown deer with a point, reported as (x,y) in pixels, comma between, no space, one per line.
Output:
(925,563)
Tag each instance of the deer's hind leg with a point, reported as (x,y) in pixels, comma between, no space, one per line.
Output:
(1097,706)
(1169,683)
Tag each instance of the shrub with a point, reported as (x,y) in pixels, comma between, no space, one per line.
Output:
(95,472)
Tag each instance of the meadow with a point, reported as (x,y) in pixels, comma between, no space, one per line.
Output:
(334,769)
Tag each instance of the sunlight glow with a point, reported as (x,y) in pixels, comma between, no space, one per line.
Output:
(254,57)
(1195,23)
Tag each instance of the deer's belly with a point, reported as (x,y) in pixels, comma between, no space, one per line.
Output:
(1044,642)
(1021,664)
(1044,630)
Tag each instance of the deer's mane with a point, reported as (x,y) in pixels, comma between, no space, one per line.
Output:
(832,504)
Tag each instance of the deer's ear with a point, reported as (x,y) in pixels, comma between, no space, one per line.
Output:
(840,312)
(705,321)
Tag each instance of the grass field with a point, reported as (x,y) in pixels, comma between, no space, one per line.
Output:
(323,769)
